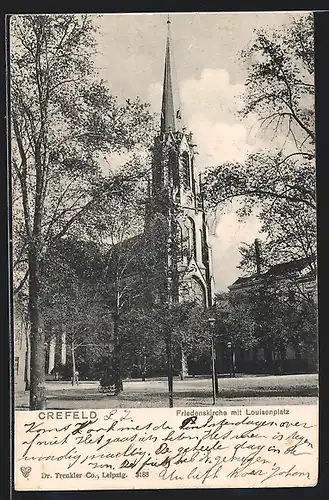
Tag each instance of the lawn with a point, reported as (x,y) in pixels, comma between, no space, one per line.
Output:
(243,390)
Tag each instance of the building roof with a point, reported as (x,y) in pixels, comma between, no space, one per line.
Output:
(289,267)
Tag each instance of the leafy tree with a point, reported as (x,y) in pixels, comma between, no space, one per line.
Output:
(69,273)
(193,333)
(300,265)
(277,184)
(266,179)
(275,305)
(143,276)
(63,121)
(269,315)
(292,234)
(114,277)
(81,319)
(146,333)
(122,275)
(142,344)
(280,82)
(235,321)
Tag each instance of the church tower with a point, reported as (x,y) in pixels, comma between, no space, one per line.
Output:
(176,199)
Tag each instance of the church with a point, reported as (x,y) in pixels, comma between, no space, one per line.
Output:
(176,198)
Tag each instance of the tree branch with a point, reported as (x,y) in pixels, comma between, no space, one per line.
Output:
(22,283)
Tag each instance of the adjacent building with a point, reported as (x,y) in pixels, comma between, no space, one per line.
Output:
(295,279)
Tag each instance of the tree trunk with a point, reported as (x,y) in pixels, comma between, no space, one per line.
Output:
(216,376)
(233,364)
(73,364)
(282,358)
(170,369)
(27,371)
(37,377)
(116,356)
(184,367)
(297,352)
(143,368)
(268,351)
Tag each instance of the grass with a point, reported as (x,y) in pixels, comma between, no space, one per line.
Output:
(286,389)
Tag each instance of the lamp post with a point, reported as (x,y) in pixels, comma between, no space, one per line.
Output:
(232,359)
(211,323)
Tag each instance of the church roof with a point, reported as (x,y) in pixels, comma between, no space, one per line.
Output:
(168,111)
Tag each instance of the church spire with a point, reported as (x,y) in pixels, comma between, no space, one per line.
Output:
(168,112)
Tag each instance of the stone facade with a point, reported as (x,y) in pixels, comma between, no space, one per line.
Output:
(176,194)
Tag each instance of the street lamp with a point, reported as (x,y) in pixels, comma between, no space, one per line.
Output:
(211,323)
(232,359)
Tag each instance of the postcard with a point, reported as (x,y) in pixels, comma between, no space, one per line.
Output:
(164,250)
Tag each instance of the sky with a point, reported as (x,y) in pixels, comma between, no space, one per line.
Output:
(210,78)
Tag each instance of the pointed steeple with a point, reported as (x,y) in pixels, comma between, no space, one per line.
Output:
(168,111)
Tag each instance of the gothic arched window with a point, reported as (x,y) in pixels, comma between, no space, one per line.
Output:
(198,292)
(186,174)
(192,175)
(174,168)
(192,290)
(190,237)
